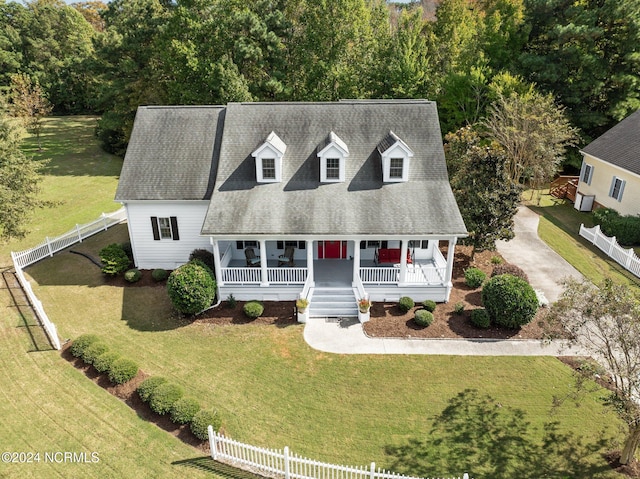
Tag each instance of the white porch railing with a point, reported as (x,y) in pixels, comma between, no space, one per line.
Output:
(416,274)
(627,258)
(286,275)
(288,465)
(252,275)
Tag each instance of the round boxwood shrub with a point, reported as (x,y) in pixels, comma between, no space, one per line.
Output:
(114,259)
(94,350)
(103,362)
(202,420)
(133,275)
(510,301)
(474,277)
(423,317)
(191,288)
(429,305)
(183,410)
(81,343)
(146,387)
(480,318)
(405,304)
(122,370)
(164,396)
(253,309)
(159,274)
(511,269)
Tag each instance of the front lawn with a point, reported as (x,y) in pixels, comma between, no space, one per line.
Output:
(399,411)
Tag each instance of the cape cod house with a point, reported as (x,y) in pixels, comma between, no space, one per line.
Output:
(328,201)
(610,174)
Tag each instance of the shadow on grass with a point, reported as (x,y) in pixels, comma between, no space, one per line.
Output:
(478,435)
(206,464)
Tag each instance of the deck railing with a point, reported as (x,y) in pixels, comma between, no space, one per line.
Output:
(415,274)
(253,275)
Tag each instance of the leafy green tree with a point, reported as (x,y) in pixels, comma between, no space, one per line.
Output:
(129,67)
(533,132)
(605,321)
(19,180)
(487,197)
(29,104)
(585,53)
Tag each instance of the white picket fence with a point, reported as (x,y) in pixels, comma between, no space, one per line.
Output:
(52,245)
(624,257)
(284,464)
(47,248)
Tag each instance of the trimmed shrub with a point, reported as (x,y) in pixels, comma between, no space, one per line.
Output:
(496,260)
(253,309)
(405,304)
(103,362)
(128,250)
(458,308)
(114,259)
(164,396)
(202,420)
(203,255)
(423,317)
(94,350)
(474,277)
(81,343)
(626,229)
(480,318)
(510,301)
(159,274)
(183,410)
(122,370)
(146,387)
(511,269)
(191,288)
(133,275)
(429,305)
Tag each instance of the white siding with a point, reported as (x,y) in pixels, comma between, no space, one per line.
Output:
(166,253)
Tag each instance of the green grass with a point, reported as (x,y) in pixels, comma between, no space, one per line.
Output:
(80,177)
(559,227)
(273,390)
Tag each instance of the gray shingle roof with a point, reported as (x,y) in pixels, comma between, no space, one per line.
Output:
(172,153)
(363,204)
(620,145)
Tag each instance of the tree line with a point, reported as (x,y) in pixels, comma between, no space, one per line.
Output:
(110,58)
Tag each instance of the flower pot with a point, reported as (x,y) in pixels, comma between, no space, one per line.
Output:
(302,315)
(363,317)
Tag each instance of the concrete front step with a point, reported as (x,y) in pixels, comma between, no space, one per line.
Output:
(332,302)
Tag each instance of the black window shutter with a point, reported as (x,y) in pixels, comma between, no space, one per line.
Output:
(174,228)
(384,244)
(154,227)
(302,245)
(280,244)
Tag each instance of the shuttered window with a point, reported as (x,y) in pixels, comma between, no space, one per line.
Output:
(165,228)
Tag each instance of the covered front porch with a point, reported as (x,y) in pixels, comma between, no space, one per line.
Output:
(258,268)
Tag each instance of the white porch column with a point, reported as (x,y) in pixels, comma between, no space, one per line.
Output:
(310,261)
(403,261)
(264,279)
(450,254)
(216,261)
(356,259)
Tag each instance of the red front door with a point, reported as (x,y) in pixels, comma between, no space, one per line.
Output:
(332,249)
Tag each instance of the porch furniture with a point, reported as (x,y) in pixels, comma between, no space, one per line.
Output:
(252,259)
(287,257)
(389,255)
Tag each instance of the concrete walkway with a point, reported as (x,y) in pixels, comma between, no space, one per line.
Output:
(545,269)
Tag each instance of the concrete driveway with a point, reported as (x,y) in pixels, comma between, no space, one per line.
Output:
(546,268)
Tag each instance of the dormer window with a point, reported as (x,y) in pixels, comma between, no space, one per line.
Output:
(395,155)
(269,159)
(332,153)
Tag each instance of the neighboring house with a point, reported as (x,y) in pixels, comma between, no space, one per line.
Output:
(610,174)
(329,201)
